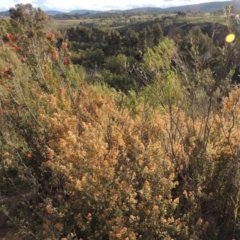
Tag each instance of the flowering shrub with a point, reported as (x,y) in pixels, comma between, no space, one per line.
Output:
(88,162)
(86,157)
(117,178)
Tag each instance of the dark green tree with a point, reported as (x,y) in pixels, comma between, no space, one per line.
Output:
(30,20)
(157,33)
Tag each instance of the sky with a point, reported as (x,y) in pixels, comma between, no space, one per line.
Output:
(67,5)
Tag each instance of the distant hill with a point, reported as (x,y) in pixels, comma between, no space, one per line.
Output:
(82,11)
(4,13)
(53,12)
(146,10)
(205,7)
(202,7)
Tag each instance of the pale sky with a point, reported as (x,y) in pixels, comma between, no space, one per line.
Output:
(67,5)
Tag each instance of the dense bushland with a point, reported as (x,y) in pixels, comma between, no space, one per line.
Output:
(87,161)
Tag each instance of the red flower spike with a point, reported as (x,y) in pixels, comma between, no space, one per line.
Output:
(17,48)
(6,69)
(23,59)
(66,61)
(64,45)
(50,36)
(55,55)
(7,72)
(8,76)
(11,37)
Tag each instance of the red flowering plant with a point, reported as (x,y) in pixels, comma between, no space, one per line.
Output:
(50,36)
(32,72)
(86,162)
(79,162)
(11,38)
(37,51)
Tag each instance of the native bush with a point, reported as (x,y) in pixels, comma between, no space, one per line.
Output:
(88,162)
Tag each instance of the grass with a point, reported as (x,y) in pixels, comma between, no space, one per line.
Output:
(62,24)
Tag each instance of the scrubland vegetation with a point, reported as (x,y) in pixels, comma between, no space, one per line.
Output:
(129,134)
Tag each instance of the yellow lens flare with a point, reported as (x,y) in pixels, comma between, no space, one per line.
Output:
(230,38)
